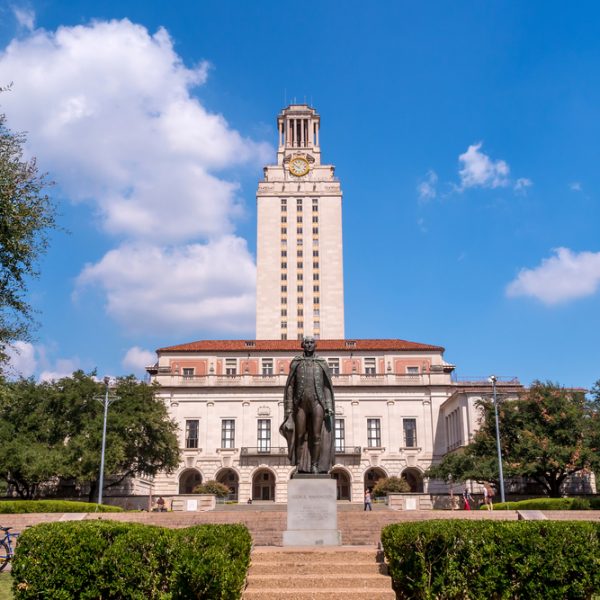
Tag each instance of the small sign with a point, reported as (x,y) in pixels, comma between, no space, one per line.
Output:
(192,505)
(410,504)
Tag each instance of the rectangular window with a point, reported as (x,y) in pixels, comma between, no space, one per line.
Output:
(283,300)
(284,231)
(283,201)
(284,312)
(264,435)
(315,219)
(315,288)
(300,300)
(299,219)
(284,336)
(316,276)
(299,264)
(340,435)
(334,365)
(299,276)
(284,288)
(300,324)
(315,230)
(317,324)
(412,370)
(369,366)
(284,219)
(316,300)
(315,253)
(410,433)
(284,277)
(284,209)
(300,288)
(299,230)
(316,312)
(284,265)
(299,253)
(187,372)
(267,366)
(227,433)
(231,366)
(298,201)
(284,253)
(191,433)
(374,433)
(315,265)
(283,324)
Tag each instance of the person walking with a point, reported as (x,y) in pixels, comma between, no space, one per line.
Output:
(467,499)
(488,494)
(368,499)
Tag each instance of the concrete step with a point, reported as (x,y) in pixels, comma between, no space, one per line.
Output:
(321,594)
(309,581)
(293,568)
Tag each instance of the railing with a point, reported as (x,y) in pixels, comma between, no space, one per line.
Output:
(260,451)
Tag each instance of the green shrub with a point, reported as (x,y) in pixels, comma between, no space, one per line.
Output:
(466,560)
(52,506)
(545,504)
(220,490)
(391,485)
(105,559)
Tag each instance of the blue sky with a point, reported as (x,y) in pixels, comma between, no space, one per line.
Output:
(465,135)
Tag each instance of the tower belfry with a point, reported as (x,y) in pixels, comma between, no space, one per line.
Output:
(300,289)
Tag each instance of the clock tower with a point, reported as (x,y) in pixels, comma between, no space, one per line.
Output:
(300,288)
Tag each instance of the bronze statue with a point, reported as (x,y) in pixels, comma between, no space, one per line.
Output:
(309,411)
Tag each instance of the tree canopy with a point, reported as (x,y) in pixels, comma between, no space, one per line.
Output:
(26,216)
(546,435)
(53,431)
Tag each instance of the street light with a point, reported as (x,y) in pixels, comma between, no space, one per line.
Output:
(493,380)
(106,403)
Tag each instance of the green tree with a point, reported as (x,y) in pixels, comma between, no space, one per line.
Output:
(220,490)
(26,216)
(387,485)
(547,435)
(54,431)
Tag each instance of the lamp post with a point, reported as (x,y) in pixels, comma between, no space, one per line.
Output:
(493,380)
(106,403)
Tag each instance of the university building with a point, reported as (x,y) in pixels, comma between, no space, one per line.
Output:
(398,407)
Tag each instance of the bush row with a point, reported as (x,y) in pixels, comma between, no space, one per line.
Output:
(549,504)
(50,506)
(468,560)
(88,560)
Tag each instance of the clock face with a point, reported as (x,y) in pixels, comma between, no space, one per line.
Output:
(298,166)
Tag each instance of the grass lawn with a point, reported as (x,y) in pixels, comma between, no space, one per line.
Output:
(5,586)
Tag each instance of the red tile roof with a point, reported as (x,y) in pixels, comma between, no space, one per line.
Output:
(294,345)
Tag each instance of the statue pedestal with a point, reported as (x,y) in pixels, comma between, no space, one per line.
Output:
(312,512)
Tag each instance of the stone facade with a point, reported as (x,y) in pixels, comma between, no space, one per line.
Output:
(397,410)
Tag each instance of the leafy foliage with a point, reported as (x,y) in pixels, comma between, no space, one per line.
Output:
(52,506)
(578,503)
(53,431)
(466,560)
(547,435)
(103,559)
(26,216)
(220,490)
(387,485)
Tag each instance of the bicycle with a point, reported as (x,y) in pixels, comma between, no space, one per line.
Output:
(6,546)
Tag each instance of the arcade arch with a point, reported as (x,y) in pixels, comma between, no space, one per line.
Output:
(231,479)
(263,485)
(342,482)
(414,478)
(188,480)
(372,476)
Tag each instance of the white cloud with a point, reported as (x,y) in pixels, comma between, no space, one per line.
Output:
(565,276)
(174,289)
(479,170)
(64,368)
(522,184)
(137,359)
(111,115)
(22,359)
(427,188)
(575,186)
(25,17)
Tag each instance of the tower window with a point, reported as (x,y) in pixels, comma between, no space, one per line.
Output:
(284,231)
(315,253)
(315,276)
(284,277)
(284,312)
(284,219)
(300,276)
(284,265)
(300,288)
(284,253)
(315,288)
(315,230)
(283,300)
(299,253)
(315,265)
(299,219)
(284,288)
(300,312)
(283,324)
(299,230)
(315,219)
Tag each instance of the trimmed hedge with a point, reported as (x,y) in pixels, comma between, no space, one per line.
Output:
(103,559)
(467,560)
(549,504)
(52,506)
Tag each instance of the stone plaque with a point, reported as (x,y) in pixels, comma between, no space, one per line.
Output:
(312,513)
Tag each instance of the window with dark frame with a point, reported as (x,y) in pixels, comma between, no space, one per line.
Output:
(410,433)
(374,433)
(191,433)
(228,433)
(264,435)
(340,435)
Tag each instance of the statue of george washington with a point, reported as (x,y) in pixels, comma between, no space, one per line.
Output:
(309,412)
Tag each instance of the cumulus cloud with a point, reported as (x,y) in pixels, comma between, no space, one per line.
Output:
(427,188)
(27,360)
(207,286)
(479,170)
(111,115)
(137,359)
(22,359)
(522,184)
(563,277)
(575,186)
(25,17)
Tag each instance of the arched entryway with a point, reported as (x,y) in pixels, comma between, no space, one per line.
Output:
(342,483)
(414,478)
(263,485)
(229,478)
(372,476)
(188,480)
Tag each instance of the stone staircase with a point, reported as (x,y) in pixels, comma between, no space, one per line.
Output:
(334,573)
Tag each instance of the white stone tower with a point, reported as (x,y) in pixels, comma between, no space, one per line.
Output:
(300,287)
